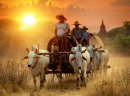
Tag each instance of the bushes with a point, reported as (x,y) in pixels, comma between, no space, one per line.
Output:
(122,42)
(119,44)
(12,39)
(13,71)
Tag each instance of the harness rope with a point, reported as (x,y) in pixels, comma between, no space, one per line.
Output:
(62,42)
(35,63)
(56,41)
(69,42)
(65,43)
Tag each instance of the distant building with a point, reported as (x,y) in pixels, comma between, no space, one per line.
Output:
(102,29)
(127,25)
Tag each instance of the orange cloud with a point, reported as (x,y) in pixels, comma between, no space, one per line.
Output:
(87,12)
(121,3)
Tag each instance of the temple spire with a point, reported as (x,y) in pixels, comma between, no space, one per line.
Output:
(102,22)
(102,28)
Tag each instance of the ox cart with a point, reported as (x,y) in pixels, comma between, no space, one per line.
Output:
(59,50)
(59,56)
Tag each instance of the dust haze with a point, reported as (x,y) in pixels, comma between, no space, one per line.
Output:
(16,79)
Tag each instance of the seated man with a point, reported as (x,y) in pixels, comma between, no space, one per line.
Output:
(86,36)
(77,32)
(61,28)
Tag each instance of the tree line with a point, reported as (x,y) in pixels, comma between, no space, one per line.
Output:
(118,39)
(15,39)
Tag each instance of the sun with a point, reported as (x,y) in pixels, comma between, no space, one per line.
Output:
(29,20)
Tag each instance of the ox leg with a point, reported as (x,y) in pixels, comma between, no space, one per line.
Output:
(84,78)
(66,76)
(44,74)
(92,69)
(105,69)
(81,76)
(52,79)
(34,80)
(101,68)
(102,65)
(59,76)
(78,84)
(42,77)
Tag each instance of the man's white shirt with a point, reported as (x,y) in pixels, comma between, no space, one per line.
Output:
(61,28)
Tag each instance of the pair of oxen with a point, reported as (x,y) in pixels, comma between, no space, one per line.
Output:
(80,59)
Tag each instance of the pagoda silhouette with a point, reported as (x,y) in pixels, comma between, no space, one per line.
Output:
(102,29)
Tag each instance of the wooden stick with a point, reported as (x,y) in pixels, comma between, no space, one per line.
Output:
(50,53)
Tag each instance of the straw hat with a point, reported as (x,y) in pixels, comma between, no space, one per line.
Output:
(61,15)
(76,23)
(84,27)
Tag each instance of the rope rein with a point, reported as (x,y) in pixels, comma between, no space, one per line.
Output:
(62,47)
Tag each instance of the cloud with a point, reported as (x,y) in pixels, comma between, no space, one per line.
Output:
(121,3)
(59,3)
(2,5)
(76,9)
(87,12)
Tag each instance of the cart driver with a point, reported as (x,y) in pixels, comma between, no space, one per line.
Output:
(61,27)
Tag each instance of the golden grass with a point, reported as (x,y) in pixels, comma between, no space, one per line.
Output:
(16,80)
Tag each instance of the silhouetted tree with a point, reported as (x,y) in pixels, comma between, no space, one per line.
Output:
(127,26)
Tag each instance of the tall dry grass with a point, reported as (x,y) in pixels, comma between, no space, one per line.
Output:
(13,73)
(16,80)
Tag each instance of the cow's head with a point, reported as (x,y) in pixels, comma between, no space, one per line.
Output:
(92,49)
(32,58)
(78,57)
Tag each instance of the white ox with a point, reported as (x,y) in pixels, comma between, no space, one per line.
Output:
(38,65)
(99,58)
(79,61)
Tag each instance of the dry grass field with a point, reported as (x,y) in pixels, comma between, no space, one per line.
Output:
(16,80)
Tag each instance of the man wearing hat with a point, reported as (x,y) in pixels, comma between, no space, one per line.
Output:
(86,36)
(61,27)
(77,32)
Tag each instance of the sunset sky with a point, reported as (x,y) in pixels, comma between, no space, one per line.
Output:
(87,12)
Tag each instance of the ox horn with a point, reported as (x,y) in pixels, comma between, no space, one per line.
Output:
(95,49)
(93,45)
(100,47)
(38,48)
(101,50)
(36,51)
(27,50)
